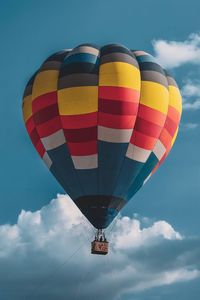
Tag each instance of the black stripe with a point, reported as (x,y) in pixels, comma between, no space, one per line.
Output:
(58,56)
(50,65)
(82,79)
(119,57)
(170,79)
(82,67)
(115,48)
(151,66)
(100,209)
(100,201)
(154,77)
(29,86)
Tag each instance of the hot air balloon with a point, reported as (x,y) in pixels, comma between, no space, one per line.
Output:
(103,119)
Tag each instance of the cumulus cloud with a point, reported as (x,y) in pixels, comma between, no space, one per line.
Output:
(192,106)
(172,54)
(191,95)
(189,126)
(191,89)
(46,255)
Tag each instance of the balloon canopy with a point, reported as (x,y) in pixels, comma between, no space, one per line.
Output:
(103,120)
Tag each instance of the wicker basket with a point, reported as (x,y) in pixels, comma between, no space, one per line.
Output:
(98,247)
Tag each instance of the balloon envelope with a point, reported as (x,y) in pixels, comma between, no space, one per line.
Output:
(102,119)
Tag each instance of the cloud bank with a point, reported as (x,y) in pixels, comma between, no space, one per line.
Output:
(189,126)
(191,95)
(46,255)
(173,54)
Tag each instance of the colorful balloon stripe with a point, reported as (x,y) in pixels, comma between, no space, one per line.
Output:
(103,120)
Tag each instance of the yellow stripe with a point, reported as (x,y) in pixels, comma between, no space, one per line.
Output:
(154,95)
(27,107)
(78,100)
(119,74)
(175,99)
(45,82)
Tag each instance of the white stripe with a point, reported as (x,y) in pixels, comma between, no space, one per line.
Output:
(47,160)
(54,140)
(138,53)
(159,150)
(114,135)
(137,153)
(148,177)
(85,162)
(84,49)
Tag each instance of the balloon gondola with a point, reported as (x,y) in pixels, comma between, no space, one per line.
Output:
(103,120)
(100,243)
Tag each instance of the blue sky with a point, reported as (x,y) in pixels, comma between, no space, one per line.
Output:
(32,30)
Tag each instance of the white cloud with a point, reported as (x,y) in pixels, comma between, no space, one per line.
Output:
(191,89)
(192,106)
(189,126)
(140,257)
(167,278)
(191,95)
(129,234)
(172,54)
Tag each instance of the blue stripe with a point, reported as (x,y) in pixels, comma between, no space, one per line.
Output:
(110,159)
(88,181)
(128,174)
(63,169)
(144,173)
(81,57)
(145,58)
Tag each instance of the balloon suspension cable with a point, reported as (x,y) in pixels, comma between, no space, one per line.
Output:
(100,243)
(100,236)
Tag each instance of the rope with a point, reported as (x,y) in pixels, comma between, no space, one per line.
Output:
(83,277)
(62,265)
(55,272)
(111,227)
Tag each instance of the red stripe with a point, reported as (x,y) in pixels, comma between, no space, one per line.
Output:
(118,107)
(79,149)
(116,121)
(166,154)
(81,135)
(44,101)
(118,93)
(171,126)
(161,161)
(49,127)
(165,138)
(37,143)
(34,137)
(151,115)
(163,158)
(143,141)
(173,114)
(79,121)
(30,125)
(46,114)
(147,128)
(156,168)
(40,148)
